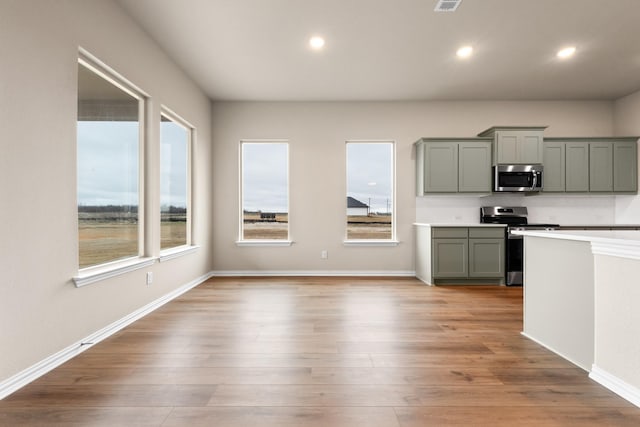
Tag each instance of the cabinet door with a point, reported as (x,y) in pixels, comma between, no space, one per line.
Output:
(530,148)
(577,166)
(625,166)
(486,258)
(450,258)
(441,167)
(507,147)
(474,167)
(554,158)
(601,166)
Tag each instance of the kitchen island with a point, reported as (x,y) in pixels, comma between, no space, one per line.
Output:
(582,301)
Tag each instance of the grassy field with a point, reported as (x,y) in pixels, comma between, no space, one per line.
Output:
(255,228)
(109,240)
(358,227)
(369,227)
(102,242)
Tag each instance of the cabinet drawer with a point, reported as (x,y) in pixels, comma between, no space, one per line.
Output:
(449,233)
(486,233)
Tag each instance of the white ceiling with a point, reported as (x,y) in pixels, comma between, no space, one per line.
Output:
(399,49)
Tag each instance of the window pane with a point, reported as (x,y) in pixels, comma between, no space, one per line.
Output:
(265,195)
(369,190)
(107,138)
(174,170)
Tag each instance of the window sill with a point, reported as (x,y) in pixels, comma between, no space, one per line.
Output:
(177,252)
(371,243)
(95,274)
(264,242)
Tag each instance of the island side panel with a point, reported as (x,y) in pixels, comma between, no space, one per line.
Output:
(423,254)
(559,297)
(617,308)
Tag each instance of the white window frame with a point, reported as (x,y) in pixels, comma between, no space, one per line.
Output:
(189,246)
(262,242)
(392,241)
(106,270)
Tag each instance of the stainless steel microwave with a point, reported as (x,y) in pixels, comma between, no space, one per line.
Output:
(517,178)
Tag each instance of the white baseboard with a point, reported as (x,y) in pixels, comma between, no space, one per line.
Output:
(564,356)
(314,273)
(616,385)
(34,372)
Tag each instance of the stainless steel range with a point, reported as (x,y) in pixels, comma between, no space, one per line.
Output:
(516,219)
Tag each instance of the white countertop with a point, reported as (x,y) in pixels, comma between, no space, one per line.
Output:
(458,224)
(621,243)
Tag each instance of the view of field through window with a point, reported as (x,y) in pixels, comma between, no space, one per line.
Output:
(369,190)
(265,191)
(174,155)
(107,150)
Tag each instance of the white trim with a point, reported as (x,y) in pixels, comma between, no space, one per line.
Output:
(524,334)
(264,242)
(176,252)
(314,273)
(371,242)
(620,250)
(112,269)
(616,385)
(35,371)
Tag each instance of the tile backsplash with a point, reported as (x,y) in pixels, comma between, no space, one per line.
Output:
(565,209)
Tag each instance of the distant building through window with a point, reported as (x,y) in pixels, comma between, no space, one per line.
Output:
(370,190)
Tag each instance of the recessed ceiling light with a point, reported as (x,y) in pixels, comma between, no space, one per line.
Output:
(566,52)
(316,42)
(464,52)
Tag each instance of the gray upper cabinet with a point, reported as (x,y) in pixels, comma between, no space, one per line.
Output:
(453,165)
(554,166)
(474,167)
(519,145)
(577,166)
(597,165)
(601,166)
(625,166)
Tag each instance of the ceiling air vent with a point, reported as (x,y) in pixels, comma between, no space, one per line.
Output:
(447,5)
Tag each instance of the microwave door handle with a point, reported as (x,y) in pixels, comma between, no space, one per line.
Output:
(535,180)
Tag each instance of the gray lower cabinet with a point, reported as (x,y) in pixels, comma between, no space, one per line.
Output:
(450,258)
(468,252)
(453,166)
(486,257)
(597,165)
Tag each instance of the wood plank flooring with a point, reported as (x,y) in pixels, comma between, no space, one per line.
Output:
(322,352)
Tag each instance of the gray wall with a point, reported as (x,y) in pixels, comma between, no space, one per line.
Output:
(627,122)
(41,310)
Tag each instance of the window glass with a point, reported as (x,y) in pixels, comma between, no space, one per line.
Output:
(265,191)
(370,190)
(108,134)
(174,183)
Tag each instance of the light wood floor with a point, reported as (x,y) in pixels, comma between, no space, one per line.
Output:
(322,352)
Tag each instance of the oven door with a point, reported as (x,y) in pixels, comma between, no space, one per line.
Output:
(517,178)
(514,259)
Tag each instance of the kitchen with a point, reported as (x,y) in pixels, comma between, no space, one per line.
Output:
(50,314)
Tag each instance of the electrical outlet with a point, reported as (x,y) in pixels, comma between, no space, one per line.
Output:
(324,254)
(149,277)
